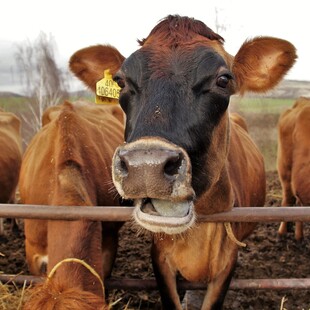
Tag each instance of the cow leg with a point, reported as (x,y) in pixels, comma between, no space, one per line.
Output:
(14,228)
(1,227)
(218,288)
(109,247)
(282,228)
(288,200)
(299,235)
(14,225)
(166,281)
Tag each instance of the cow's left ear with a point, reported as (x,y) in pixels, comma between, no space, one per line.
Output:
(89,63)
(261,63)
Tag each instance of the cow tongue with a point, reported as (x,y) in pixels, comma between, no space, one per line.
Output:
(168,208)
(148,208)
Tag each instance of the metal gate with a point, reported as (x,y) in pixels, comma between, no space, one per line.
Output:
(123,214)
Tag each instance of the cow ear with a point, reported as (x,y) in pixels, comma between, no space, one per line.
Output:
(49,114)
(88,64)
(262,62)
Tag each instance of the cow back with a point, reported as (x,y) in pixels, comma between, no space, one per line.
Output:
(83,136)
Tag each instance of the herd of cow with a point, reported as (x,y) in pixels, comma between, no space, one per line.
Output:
(170,148)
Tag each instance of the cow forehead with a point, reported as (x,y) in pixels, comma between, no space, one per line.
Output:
(167,101)
(187,61)
(176,44)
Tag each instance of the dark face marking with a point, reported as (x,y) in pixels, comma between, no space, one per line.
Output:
(179,96)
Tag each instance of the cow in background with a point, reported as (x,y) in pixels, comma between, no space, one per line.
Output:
(183,157)
(238,119)
(293,159)
(10,158)
(68,162)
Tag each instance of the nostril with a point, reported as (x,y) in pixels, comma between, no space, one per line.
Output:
(172,165)
(123,167)
(159,162)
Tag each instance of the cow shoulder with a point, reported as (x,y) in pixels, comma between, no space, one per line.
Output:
(246,168)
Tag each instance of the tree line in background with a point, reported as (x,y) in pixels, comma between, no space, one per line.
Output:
(45,83)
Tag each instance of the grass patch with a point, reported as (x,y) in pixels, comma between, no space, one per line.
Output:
(262,115)
(14,104)
(262,104)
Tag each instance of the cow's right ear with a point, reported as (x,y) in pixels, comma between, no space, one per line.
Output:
(261,63)
(89,63)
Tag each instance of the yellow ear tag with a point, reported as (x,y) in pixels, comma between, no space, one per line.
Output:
(107,91)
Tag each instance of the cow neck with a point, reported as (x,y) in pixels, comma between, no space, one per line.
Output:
(218,198)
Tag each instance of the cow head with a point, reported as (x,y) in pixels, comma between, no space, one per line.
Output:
(175,92)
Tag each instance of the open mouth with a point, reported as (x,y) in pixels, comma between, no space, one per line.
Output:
(164,216)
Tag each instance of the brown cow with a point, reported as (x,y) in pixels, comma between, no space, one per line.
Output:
(68,163)
(10,157)
(294,158)
(238,119)
(183,157)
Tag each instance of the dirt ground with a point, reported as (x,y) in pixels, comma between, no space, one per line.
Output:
(266,256)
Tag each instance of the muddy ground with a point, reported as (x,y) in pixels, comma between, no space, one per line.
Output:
(266,256)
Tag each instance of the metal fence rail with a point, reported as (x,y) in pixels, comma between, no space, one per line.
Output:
(150,284)
(123,214)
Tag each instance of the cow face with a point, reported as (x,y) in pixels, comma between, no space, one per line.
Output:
(176,131)
(175,94)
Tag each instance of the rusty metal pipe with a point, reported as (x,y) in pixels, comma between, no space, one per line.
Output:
(111,214)
(122,214)
(150,284)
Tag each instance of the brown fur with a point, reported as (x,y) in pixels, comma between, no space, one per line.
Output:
(238,119)
(68,163)
(54,296)
(294,158)
(10,157)
(236,176)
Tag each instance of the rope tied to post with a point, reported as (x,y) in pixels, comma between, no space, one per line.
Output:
(231,234)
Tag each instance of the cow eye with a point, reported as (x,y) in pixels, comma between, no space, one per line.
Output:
(120,82)
(222,81)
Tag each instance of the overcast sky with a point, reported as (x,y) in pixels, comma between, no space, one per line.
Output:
(77,24)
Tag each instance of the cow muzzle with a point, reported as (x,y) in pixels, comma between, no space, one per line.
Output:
(157,175)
